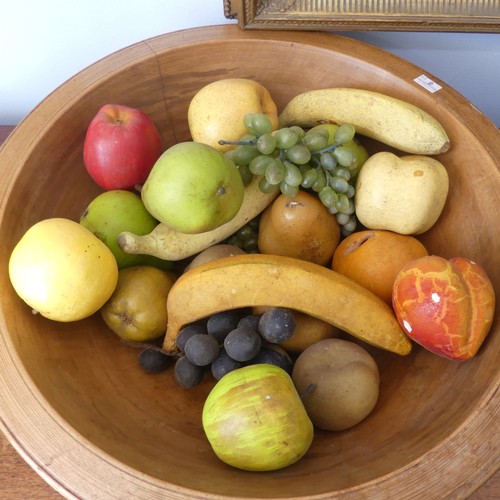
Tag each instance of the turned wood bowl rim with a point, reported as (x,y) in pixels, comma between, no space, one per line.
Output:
(469,464)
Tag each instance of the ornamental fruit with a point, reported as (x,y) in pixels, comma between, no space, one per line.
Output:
(339,382)
(193,188)
(446,306)
(121,147)
(137,310)
(402,194)
(217,110)
(61,270)
(374,257)
(254,419)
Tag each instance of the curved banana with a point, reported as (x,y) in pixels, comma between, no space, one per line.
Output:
(277,281)
(168,244)
(389,120)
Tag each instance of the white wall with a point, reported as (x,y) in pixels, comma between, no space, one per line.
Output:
(43,43)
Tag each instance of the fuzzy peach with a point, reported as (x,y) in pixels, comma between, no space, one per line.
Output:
(446,306)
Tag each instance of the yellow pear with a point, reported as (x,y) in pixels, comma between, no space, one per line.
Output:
(217,110)
(137,310)
(61,270)
(404,194)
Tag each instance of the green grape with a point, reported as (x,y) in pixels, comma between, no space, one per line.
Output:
(342,172)
(328,196)
(342,218)
(327,161)
(293,175)
(351,191)
(245,174)
(250,245)
(261,124)
(342,203)
(254,223)
(350,226)
(304,168)
(339,184)
(298,154)
(344,156)
(288,190)
(286,138)
(266,144)
(299,131)
(264,186)
(243,155)
(229,154)
(234,240)
(315,141)
(309,178)
(258,123)
(275,172)
(248,138)
(350,210)
(244,232)
(344,133)
(247,121)
(320,182)
(259,164)
(321,131)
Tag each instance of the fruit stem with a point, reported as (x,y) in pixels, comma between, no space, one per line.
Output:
(328,149)
(223,142)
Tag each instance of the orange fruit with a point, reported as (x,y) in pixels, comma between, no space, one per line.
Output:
(373,258)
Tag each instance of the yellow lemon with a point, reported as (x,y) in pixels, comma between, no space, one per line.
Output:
(61,270)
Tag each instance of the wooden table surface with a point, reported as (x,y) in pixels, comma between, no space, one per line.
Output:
(18,481)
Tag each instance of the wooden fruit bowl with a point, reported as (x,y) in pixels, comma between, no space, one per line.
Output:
(73,400)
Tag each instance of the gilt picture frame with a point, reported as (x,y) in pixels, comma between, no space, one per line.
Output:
(481,16)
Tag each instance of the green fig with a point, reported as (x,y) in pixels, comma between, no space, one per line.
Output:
(254,419)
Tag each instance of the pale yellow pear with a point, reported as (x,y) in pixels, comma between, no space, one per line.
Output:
(61,270)
(217,110)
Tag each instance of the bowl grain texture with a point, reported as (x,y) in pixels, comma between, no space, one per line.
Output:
(74,402)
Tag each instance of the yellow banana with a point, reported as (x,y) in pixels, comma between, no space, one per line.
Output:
(389,120)
(168,244)
(277,281)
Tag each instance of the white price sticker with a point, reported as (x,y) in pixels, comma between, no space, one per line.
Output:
(427,83)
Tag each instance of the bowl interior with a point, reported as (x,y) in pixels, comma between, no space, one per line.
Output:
(145,426)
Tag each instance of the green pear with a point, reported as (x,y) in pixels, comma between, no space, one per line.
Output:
(113,212)
(193,188)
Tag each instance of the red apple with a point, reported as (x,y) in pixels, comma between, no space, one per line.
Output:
(447,306)
(121,146)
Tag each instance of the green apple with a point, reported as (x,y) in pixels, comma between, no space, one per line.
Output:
(113,212)
(193,188)
(255,420)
